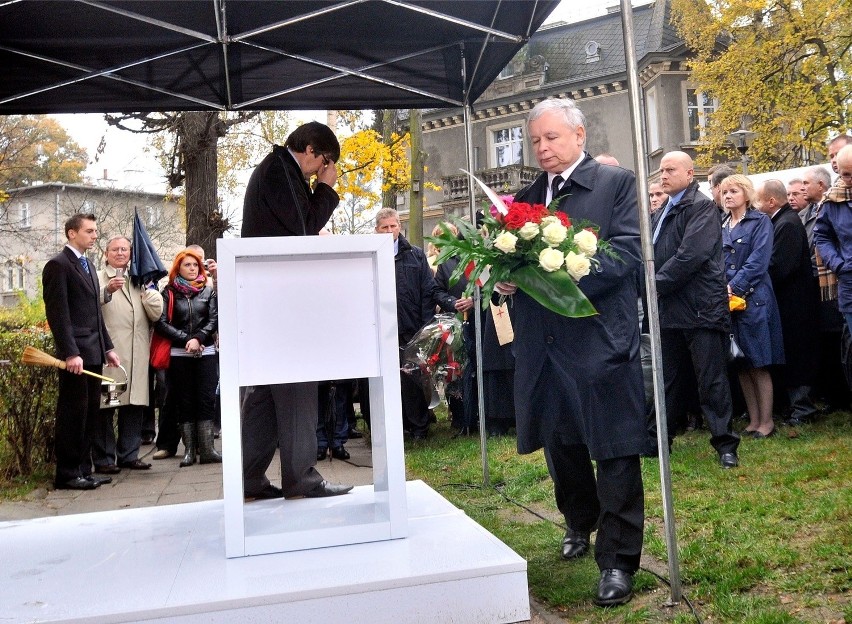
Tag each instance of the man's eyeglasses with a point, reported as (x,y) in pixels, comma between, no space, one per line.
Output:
(325,159)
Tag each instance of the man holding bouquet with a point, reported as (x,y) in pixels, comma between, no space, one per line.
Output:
(578,381)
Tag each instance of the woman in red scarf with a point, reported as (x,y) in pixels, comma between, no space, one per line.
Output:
(189,321)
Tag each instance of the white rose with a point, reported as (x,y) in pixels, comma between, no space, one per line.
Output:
(577,265)
(554,233)
(550,259)
(505,242)
(529,231)
(549,219)
(586,242)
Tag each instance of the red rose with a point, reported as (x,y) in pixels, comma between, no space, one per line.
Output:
(517,216)
(563,218)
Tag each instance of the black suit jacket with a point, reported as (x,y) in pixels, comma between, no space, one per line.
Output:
(279,202)
(73,309)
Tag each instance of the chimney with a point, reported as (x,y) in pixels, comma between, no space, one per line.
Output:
(106,177)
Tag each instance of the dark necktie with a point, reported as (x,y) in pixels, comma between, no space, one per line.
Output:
(554,187)
(85,264)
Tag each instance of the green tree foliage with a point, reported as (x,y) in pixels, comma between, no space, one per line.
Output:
(783,64)
(37,148)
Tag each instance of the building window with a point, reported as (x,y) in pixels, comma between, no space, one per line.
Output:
(24,214)
(10,277)
(653,125)
(508,144)
(507,72)
(20,278)
(698,106)
(154,215)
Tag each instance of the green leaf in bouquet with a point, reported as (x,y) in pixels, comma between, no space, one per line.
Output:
(556,291)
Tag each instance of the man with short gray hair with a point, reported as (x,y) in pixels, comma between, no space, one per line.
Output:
(566,367)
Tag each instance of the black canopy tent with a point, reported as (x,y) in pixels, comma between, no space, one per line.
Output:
(87,56)
(147,55)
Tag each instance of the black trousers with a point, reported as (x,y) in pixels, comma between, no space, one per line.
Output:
(282,416)
(77,415)
(706,352)
(192,388)
(614,501)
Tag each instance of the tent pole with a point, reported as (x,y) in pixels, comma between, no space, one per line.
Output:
(633,90)
(477,294)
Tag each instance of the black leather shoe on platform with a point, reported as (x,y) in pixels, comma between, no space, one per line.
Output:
(614,588)
(270,491)
(328,489)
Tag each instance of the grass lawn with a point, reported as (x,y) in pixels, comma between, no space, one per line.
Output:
(769,542)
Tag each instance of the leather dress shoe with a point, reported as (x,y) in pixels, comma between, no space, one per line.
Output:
(614,588)
(269,491)
(107,469)
(729,460)
(321,453)
(136,464)
(338,452)
(98,479)
(328,489)
(147,439)
(575,544)
(77,483)
(164,454)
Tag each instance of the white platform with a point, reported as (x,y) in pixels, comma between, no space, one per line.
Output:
(168,564)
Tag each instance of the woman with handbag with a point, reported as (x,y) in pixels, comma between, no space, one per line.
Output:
(189,322)
(747,238)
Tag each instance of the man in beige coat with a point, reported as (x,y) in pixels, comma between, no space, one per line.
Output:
(129,313)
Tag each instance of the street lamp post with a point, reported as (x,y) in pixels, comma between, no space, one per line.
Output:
(742,140)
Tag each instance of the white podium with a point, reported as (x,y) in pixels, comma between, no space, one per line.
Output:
(294,309)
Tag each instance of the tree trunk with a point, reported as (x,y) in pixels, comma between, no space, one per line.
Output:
(199,135)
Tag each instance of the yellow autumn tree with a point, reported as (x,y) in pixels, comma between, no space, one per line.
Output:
(367,167)
(784,66)
(37,147)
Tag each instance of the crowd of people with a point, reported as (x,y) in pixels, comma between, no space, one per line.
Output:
(748,284)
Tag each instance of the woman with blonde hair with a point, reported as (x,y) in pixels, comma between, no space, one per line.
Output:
(747,238)
(189,321)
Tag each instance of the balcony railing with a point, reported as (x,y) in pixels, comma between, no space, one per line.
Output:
(504,180)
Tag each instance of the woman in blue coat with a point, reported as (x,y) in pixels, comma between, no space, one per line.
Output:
(747,245)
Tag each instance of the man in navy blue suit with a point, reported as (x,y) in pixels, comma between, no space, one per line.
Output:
(578,381)
(72,304)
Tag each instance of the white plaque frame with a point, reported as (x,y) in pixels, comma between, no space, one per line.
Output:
(311,308)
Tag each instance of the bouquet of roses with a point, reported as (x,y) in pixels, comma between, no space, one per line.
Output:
(536,247)
(435,356)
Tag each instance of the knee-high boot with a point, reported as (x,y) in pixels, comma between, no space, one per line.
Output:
(187,432)
(208,452)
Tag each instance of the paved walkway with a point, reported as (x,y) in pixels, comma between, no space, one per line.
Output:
(166,483)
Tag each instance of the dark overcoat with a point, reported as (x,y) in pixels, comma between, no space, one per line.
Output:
(748,250)
(591,364)
(797,294)
(280,202)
